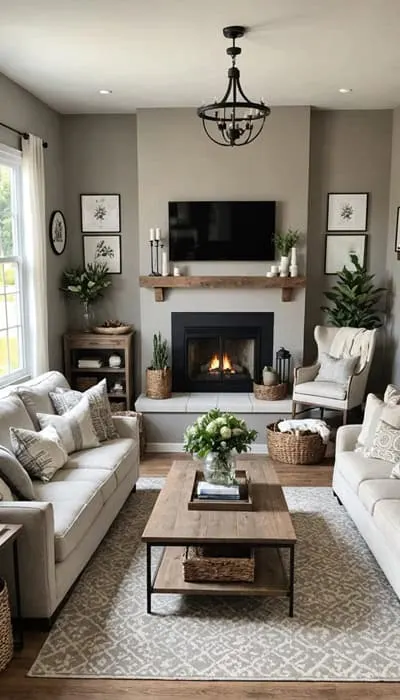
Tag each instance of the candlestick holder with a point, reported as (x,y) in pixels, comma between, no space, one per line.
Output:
(154,258)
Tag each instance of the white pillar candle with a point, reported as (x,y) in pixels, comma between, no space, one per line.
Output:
(158,234)
(164,264)
(152,234)
(177,272)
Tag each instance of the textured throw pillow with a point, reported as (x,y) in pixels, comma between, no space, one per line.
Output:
(99,405)
(392,395)
(333,369)
(5,492)
(75,427)
(41,454)
(15,476)
(385,443)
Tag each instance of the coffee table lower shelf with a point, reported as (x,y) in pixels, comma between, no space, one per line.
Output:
(270,577)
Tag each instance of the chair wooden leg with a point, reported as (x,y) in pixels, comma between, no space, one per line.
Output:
(345,416)
(294,409)
(321,412)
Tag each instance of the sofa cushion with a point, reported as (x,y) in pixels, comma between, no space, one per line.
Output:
(12,412)
(323,390)
(35,394)
(5,492)
(387,519)
(371,491)
(15,476)
(75,506)
(114,455)
(355,468)
(106,480)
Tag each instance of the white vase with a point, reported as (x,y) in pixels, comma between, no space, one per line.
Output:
(284,266)
(270,377)
(293,256)
(293,271)
(164,264)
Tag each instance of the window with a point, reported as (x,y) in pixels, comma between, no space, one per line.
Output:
(13,353)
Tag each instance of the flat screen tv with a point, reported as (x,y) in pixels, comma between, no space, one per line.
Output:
(221,230)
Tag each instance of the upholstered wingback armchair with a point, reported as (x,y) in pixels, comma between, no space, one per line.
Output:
(338,342)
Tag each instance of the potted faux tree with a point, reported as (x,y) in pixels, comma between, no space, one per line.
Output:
(158,375)
(86,284)
(286,242)
(354,298)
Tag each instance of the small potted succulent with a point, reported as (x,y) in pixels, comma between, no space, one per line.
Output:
(270,377)
(158,375)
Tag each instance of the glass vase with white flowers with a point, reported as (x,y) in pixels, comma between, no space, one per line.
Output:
(86,284)
(217,438)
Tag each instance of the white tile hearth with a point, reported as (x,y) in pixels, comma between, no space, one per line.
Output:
(199,403)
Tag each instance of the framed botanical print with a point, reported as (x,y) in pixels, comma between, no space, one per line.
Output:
(100,212)
(347,212)
(58,232)
(104,249)
(338,248)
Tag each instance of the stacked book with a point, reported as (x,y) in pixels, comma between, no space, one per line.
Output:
(89,363)
(218,491)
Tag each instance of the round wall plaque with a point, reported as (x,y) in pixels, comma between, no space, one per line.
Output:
(58,232)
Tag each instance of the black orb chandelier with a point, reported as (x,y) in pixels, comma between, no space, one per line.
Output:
(235,120)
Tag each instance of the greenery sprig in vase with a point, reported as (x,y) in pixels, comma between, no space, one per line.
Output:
(86,284)
(217,438)
(354,298)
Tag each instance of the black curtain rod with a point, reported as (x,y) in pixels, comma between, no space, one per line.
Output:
(23,134)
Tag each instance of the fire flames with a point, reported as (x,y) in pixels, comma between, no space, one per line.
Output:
(226,363)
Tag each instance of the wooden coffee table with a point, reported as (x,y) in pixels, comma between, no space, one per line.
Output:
(268,528)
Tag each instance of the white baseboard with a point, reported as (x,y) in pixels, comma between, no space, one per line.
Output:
(257,449)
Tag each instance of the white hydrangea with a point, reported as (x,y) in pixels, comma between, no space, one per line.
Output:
(237,431)
(225,432)
(212,427)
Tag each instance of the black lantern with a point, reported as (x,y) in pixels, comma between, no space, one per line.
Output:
(282,365)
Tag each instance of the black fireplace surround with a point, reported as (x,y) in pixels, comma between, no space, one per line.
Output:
(220,351)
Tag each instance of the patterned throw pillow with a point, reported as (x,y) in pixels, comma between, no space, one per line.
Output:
(385,443)
(42,453)
(75,428)
(333,369)
(100,410)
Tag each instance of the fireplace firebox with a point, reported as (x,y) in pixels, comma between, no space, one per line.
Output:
(220,351)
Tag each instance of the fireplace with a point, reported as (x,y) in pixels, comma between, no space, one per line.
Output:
(220,351)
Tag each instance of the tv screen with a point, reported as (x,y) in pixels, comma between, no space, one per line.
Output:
(221,231)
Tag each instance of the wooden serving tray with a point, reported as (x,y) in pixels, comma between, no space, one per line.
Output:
(245,502)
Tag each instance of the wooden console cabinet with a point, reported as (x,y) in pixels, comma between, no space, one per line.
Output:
(92,345)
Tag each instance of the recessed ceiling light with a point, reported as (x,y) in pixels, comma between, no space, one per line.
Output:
(105,92)
(345,91)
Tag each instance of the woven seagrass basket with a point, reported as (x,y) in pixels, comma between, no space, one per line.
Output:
(219,563)
(158,383)
(270,393)
(306,448)
(6,636)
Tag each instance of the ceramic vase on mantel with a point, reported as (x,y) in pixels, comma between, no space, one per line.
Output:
(284,266)
(220,468)
(293,269)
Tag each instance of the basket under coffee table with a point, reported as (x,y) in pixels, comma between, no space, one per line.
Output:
(268,529)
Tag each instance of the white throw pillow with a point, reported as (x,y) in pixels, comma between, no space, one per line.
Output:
(385,443)
(392,394)
(376,410)
(5,492)
(75,428)
(335,369)
(40,453)
(100,409)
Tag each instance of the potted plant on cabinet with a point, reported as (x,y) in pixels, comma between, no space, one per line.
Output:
(286,242)
(158,375)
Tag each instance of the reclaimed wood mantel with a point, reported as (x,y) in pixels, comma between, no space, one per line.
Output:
(159,284)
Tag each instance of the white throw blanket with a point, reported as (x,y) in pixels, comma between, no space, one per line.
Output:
(351,342)
(312,424)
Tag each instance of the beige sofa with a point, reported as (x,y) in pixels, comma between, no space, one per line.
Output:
(71,513)
(372,499)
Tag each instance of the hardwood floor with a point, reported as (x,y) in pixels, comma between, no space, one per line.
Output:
(14,685)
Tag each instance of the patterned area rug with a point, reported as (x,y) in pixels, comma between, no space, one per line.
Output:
(346,625)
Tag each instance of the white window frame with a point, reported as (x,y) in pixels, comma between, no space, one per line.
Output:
(11,157)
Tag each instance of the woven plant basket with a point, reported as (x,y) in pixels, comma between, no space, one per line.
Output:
(6,636)
(158,383)
(219,564)
(287,447)
(270,393)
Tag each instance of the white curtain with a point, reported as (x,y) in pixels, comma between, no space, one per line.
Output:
(35,253)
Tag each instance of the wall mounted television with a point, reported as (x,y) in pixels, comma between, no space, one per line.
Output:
(221,230)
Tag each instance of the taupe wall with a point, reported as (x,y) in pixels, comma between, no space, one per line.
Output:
(23,111)
(350,152)
(393,265)
(176,161)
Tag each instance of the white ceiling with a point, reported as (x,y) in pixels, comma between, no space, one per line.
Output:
(171,53)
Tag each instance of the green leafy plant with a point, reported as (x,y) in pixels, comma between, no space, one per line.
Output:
(286,240)
(354,298)
(160,352)
(88,283)
(218,432)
